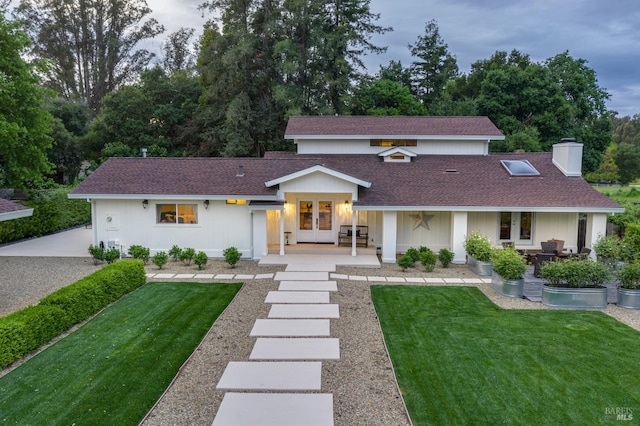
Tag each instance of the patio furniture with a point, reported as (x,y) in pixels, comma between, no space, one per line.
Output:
(539,260)
(345,236)
(549,247)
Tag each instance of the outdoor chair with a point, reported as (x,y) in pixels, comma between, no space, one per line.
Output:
(549,247)
(540,259)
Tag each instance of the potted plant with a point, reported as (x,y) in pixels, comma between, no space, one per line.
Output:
(629,285)
(575,284)
(479,250)
(508,272)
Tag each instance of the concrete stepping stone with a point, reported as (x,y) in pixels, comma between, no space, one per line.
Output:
(224,276)
(263,276)
(434,280)
(183,276)
(339,276)
(244,277)
(308,286)
(414,280)
(395,280)
(357,278)
(304,311)
(297,297)
(301,276)
(453,280)
(287,376)
(377,279)
(164,275)
(291,327)
(204,276)
(309,348)
(275,409)
(321,267)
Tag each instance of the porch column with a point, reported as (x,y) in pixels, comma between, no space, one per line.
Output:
(354,240)
(459,222)
(596,227)
(282,232)
(260,247)
(389,236)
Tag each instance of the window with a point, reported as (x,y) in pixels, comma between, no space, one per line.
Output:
(519,168)
(517,227)
(393,142)
(177,213)
(236,201)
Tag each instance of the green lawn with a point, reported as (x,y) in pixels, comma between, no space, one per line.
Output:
(620,193)
(459,359)
(114,368)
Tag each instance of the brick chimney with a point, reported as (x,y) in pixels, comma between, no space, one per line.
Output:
(567,157)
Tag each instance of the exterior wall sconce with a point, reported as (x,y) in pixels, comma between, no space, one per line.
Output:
(145,203)
(206,204)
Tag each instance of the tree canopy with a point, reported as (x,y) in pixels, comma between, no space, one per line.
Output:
(24,124)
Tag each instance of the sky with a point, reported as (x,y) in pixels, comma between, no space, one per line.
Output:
(604,33)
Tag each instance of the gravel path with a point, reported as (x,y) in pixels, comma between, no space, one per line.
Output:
(362,381)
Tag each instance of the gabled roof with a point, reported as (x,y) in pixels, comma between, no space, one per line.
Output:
(10,210)
(415,127)
(321,169)
(397,150)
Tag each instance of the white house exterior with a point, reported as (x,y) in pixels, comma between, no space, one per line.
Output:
(411,180)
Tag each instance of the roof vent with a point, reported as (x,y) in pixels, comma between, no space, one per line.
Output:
(451,171)
(240,171)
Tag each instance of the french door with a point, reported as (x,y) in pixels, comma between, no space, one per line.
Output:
(516,227)
(315,221)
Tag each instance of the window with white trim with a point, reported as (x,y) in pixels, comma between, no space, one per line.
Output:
(177,213)
(516,227)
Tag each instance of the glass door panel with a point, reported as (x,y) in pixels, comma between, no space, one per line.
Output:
(324,216)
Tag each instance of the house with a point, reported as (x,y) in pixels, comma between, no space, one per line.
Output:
(411,180)
(10,210)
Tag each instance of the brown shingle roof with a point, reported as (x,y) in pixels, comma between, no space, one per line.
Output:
(390,125)
(437,181)
(7,206)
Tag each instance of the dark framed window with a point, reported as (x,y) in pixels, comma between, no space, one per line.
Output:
(393,142)
(177,213)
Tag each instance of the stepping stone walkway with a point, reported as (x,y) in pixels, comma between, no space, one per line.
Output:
(281,383)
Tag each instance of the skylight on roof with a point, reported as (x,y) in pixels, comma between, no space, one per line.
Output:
(519,168)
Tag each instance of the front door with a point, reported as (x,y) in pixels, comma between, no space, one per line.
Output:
(315,221)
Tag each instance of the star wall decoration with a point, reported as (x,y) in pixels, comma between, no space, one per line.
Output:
(421,220)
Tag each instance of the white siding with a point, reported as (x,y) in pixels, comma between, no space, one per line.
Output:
(362,146)
(319,182)
(219,227)
(435,238)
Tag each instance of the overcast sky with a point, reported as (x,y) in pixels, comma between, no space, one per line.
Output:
(605,33)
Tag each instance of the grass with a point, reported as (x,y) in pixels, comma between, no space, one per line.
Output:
(114,368)
(459,359)
(618,193)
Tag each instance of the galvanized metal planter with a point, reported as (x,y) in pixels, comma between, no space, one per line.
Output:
(509,288)
(480,268)
(574,298)
(629,298)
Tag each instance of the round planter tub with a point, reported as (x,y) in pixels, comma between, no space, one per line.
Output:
(483,269)
(509,288)
(574,298)
(628,298)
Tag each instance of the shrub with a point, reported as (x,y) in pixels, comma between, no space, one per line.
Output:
(405,262)
(575,273)
(478,246)
(231,255)
(111,255)
(187,254)
(630,249)
(174,253)
(97,253)
(139,252)
(30,328)
(445,257)
(629,276)
(160,259)
(428,260)
(509,264)
(413,253)
(200,259)
(607,247)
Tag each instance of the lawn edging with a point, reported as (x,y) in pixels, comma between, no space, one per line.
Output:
(27,329)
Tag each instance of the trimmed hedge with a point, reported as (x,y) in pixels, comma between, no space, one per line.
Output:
(30,328)
(52,211)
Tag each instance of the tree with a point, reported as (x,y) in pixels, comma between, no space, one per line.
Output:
(90,44)
(150,114)
(24,124)
(385,97)
(434,65)
(627,159)
(626,129)
(178,54)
